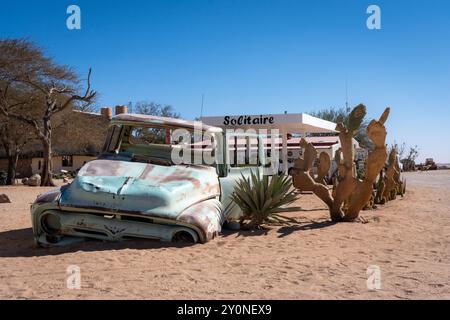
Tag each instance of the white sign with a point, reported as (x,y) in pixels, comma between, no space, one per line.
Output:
(247,120)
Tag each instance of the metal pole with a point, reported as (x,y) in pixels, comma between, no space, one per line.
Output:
(284,151)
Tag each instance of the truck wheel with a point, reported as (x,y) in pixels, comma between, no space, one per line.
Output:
(183,236)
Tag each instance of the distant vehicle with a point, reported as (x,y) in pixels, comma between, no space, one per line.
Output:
(135,190)
(428,165)
(429,162)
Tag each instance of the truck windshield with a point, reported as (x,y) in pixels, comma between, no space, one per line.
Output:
(112,139)
(160,145)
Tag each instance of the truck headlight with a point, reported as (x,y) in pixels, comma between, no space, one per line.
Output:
(51,223)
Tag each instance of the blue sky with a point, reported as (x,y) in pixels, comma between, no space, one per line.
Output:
(258,56)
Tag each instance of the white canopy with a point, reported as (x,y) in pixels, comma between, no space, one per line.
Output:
(289,122)
(297,123)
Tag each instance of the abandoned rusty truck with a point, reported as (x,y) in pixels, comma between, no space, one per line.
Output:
(136,189)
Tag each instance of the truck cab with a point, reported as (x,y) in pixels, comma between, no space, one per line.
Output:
(156,178)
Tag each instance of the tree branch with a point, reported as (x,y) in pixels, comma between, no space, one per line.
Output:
(87,97)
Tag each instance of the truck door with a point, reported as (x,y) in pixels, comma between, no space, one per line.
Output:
(244,153)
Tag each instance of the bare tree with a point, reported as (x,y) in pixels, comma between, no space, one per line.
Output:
(413,153)
(400,148)
(86,107)
(15,62)
(333,114)
(340,115)
(53,88)
(14,136)
(404,152)
(155,109)
(151,135)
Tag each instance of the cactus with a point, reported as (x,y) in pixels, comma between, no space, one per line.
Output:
(375,162)
(323,167)
(401,183)
(350,195)
(379,198)
(392,177)
(302,177)
(371,204)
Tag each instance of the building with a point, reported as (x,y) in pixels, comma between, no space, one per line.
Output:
(77,137)
(285,131)
(327,144)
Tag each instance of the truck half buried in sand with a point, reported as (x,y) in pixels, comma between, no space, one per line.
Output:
(153,181)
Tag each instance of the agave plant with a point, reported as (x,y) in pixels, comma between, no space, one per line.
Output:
(262,198)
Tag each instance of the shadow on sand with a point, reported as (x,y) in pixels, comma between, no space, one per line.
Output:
(244,233)
(287,230)
(19,243)
(283,231)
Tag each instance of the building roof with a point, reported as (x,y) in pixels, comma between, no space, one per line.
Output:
(164,121)
(74,133)
(325,140)
(294,143)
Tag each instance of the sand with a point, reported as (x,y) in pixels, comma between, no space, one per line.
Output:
(408,239)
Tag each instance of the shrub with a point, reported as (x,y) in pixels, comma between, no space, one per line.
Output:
(3,176)
(262,198)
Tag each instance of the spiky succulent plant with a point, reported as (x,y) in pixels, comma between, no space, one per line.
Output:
(261,198)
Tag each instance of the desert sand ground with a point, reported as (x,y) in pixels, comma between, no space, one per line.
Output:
(409,239)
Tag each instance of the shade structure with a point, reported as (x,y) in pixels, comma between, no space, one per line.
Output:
(294,123)
(289,122)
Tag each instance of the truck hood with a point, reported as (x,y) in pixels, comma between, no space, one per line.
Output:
(148,189)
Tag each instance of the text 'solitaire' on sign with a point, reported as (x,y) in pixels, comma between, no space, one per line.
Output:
(248,120)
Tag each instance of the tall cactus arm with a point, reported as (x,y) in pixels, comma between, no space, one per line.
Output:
(375,162)
(323,167)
